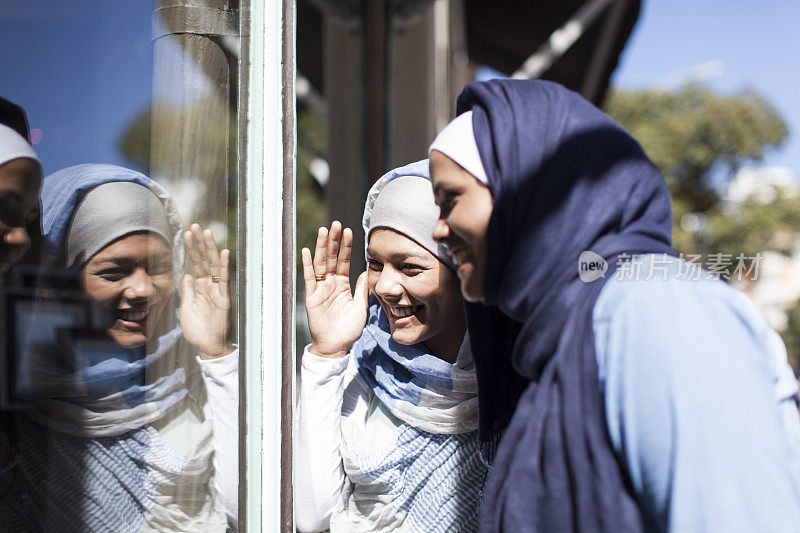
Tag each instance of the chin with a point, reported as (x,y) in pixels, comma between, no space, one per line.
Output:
(471,286)
(126,339)
(471,293)
(406,338)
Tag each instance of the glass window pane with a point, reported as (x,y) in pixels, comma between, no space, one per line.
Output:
(119,357)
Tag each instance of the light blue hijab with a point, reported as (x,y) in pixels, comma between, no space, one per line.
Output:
(418,387)
(105,390)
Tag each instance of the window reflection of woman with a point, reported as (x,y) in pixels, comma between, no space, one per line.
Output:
(20,180)
(386,434)
(137,431)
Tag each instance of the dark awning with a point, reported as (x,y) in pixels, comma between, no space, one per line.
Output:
(502,34)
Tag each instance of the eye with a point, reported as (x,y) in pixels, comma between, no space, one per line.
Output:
(111,274)
(446,203)
(377,266)
(412,269)
(11,217)
(159,268)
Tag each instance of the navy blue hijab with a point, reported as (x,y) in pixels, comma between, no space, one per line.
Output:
(565,179)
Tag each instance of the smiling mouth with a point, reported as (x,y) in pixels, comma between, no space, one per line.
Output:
(459,256)
(133,315)
(405,311)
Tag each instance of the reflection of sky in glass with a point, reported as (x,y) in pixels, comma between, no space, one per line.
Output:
(83,71)
(195,85)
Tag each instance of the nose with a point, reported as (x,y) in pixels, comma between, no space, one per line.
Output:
(140,286)
(388,286)
(17,237)
(440,231)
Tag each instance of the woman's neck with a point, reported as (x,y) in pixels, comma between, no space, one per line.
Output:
(448,343)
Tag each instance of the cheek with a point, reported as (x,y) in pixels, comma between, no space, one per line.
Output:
(372,279)
(432,290)
(164,285)
(460,222)
(451,283)
(475,214)
(451,292)
(100,290)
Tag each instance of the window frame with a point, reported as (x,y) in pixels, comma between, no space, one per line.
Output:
(266,219)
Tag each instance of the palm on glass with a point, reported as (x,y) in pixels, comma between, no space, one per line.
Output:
(205,299)
(336,316)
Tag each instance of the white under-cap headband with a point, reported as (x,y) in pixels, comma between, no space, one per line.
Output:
(457,141)
(14,146)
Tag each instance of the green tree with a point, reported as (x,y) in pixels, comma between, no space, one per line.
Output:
(694,135)
(687,133)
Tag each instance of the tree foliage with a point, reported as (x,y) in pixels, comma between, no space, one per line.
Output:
(698,140)
(693,135)
(688,133)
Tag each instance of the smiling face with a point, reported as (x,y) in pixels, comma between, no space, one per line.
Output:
(20,181)
(132,278)
(418,293)
(465,209)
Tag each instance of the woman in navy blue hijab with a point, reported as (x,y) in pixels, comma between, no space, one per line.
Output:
(659,399)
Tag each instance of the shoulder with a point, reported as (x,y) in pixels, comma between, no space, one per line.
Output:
(680,334)
(662,307)
(692,378)
(659,285)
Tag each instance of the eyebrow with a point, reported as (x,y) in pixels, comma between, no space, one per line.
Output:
(11,195)
(395,256)
(117,260)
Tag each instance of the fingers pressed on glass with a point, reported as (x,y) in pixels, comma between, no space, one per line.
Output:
(308,270)
(320,254)
(188,241)
(224,273)
(196,252)
(211,253)
(334,239)
(343,262)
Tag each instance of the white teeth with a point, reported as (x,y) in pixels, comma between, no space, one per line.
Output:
(460,256)
(130,314)
(402,312)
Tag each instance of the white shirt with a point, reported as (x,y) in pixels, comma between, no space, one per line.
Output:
(343,432)
(221,377)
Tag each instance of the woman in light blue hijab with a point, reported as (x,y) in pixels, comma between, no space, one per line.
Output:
(132,427)
(386,436)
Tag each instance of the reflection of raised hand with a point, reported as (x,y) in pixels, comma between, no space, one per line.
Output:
(335,317)
(206,300)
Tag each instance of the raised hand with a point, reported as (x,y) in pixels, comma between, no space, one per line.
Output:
(205,299)
(336,317)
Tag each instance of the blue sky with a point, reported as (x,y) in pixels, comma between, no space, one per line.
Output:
(83,68)
(752,44)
